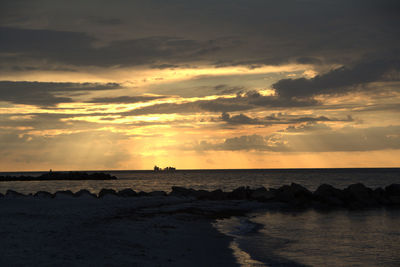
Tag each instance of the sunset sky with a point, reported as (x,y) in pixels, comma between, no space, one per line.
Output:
(89,85)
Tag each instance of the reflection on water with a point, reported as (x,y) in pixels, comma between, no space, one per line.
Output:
(214,179)
(336,238)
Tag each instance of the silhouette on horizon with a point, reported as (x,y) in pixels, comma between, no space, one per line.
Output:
(169,168)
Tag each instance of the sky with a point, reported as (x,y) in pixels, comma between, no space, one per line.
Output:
(96,85)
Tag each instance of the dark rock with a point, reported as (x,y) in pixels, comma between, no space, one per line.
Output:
(63,194)
(143,194)
(202,194)
(104,192)
(85,193)
(178,191)
(392,192)
(359,196)
(127,193)
(12,193)
(329,195)
(43,194)
(157,194)
(379,195)
(294,194)
(217,195)
(262,194)
(1,195)
(240,193)
(395,200)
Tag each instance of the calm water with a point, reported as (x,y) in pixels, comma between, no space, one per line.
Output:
(311,238)
(213,179)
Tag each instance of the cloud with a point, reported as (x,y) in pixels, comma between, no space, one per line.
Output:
(124,99)
(223,33)
(97,149)
(81,49)
(248,142)
(345,139)
(223,89)
(240,119)
(243,119)
(308,127)
(337,81)
(46,93)
(105,21)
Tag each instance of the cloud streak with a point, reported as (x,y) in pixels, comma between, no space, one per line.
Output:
(45,93)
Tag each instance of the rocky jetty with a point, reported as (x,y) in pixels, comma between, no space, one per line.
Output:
(61,176)
(355,196)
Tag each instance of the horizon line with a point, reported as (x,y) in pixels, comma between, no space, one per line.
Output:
(223,169)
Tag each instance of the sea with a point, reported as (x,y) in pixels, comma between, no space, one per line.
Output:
(274,238)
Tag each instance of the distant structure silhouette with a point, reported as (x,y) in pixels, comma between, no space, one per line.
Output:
(168,169)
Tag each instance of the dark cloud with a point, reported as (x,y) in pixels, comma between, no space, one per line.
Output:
(224,33)
(307,127)
(224,89)
(106,21)
(240,119)
(78,48)
(337,81)
(45,93)
(243,119)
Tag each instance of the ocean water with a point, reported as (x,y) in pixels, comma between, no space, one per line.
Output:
(212,179)
(311,238)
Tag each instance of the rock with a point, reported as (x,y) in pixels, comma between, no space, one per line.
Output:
(64,194)
(392,192)
(240,193)
(395,200)
(329,195)
(104,192)
(83,193)
(142,194)
(262,194)
(127,193)
(13,194)
(359,196)
(294,194)
(201,194)
(43,194)
(178,191)
(157,194)
(217,195)
(379,195)
(1,195)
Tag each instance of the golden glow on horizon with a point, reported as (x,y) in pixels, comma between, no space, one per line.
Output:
(122,136)
(145,76)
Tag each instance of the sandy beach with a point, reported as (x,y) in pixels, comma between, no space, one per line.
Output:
(147,231)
